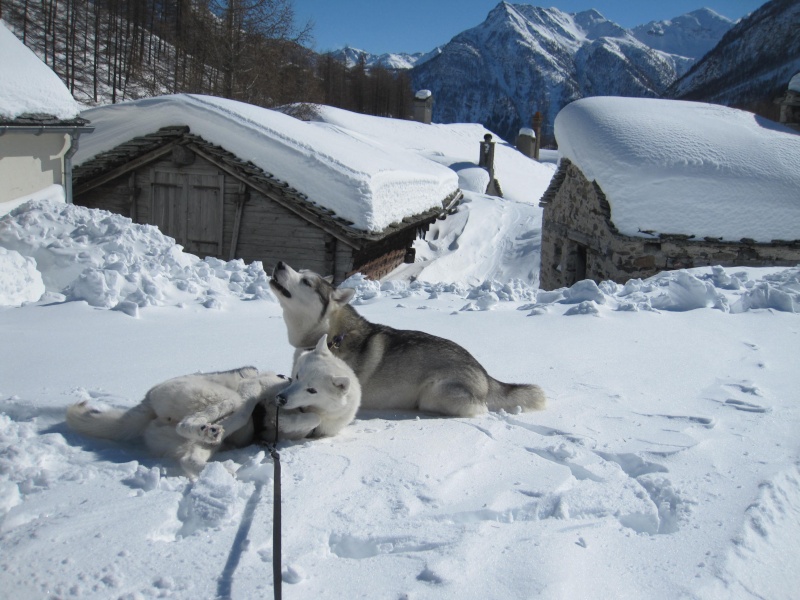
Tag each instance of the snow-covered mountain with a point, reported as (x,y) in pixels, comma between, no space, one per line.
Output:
(691,35)
(752,63)
(395,61)
(524,58)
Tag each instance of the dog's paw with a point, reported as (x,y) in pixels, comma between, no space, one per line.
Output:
(211,434)
(203,432)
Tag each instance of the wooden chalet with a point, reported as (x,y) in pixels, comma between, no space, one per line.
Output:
(215,204)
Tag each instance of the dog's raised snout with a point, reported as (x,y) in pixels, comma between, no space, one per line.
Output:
(281,400)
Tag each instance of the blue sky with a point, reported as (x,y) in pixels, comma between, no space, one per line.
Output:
(380,26)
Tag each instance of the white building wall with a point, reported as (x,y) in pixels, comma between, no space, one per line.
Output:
(29,163)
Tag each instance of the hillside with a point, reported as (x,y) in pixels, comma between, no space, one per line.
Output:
(752,64)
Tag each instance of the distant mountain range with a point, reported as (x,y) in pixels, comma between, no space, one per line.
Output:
(351,57)
(524,59)
(753,62)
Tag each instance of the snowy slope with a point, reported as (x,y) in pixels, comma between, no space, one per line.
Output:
(670,166)
(753,62)
(691,35)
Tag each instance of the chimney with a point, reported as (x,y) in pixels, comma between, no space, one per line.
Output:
(526,142)
(537,130)
(423,106)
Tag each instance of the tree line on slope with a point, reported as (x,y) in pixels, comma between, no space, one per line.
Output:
(108,51)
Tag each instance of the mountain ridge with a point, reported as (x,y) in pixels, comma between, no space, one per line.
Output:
(523,58)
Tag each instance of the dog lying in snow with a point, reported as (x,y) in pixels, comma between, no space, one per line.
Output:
(324,389)
(397,369)
(189,417)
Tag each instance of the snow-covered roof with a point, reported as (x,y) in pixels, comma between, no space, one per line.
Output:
(357,177)
(679,167)
(28,86)
(794,83)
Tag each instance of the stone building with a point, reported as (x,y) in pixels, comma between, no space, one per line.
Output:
(790,104)
(628,200)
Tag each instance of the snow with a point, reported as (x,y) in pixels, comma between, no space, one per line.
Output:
(665,465)
(679,167)
(357,177)
(794,83)
(28,86)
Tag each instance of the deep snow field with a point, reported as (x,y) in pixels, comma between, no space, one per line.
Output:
(665,466)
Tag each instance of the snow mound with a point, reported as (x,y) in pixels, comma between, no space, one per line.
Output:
(110,262)
(20,282)
(674,291)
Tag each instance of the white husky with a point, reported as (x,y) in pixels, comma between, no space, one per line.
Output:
(324,388)
(189,417)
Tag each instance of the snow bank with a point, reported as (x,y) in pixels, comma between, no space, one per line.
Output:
(362,180)
(28,86)
(110,262)
(20,282)
(675,291)
(688,168)
(484,253)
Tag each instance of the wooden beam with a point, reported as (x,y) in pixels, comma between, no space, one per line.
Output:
(122,169)
(237,221)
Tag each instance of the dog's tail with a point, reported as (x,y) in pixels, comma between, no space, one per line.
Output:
(514,396)
(112,424)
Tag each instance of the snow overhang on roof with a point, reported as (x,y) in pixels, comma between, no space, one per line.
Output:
(357,178)
(675,167)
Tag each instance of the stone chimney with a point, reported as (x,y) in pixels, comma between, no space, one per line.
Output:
(526,142)
(423,106)
(537,129)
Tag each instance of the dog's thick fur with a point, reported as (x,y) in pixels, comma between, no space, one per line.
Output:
(189,417)
(325,389)
(397,369)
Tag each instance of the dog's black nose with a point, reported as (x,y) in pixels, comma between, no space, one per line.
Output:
(281,400)
(280,266)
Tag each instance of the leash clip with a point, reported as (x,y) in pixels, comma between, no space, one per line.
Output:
(337,342)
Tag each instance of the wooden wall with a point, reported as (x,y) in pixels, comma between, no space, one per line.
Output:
(197,204)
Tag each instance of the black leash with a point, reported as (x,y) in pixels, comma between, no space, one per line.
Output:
(277,579)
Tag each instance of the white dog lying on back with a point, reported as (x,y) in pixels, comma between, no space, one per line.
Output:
(324,389)
(189,417)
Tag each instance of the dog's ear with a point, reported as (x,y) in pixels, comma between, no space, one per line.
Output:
(328,278)
(322,344)
(342,382)
(343,295)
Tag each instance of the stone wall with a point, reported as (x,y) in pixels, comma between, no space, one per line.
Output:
(579,241)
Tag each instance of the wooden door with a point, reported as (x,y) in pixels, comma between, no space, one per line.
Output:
(188,206)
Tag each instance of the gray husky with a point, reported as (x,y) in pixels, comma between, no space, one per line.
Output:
(397,369)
